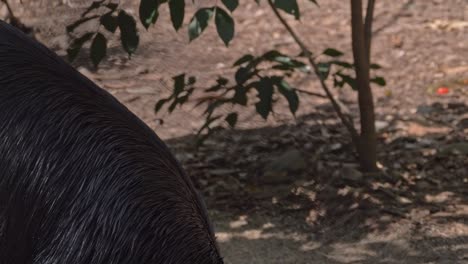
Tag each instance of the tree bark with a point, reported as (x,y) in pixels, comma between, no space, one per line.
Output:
(367,146)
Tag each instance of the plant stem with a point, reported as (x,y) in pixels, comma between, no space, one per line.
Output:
(346,120)
(368,138)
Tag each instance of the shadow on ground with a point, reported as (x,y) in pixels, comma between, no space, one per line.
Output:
(293,193)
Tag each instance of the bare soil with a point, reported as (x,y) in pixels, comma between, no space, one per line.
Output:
(321,210)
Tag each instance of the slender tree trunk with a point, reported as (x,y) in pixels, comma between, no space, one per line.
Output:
(367,145)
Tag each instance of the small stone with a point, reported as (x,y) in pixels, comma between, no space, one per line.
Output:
(381,125)
(460,148)
(425,109)
(351,174)
(279,168)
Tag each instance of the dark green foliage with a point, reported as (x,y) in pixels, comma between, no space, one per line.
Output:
(323,70)
(109,22)
(288,6)
(177,10)
(148,12)
(243,59)
(98,49)
(199,22)
(333,52)
(76,45)
(231,4)
(264,76)
(379,81)
(224,25)
(128,32)
(288,92)
(264,88)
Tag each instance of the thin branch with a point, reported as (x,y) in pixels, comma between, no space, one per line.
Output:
(368,27)
(311,93)
(290,30)
(346,120)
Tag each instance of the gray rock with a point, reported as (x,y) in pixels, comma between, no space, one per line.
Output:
(425,109)
(279,169)
(460,148)
(351,174)
(381,125)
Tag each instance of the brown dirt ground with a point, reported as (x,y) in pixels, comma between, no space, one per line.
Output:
(326,212)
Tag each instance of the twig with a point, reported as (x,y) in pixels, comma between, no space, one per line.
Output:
(311,93)
(346,120)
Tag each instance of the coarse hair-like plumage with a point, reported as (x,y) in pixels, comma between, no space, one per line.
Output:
(82,179)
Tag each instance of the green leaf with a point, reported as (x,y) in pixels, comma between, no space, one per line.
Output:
(148,12)
(231,4)
(76,45)
(98,49)
(379,81)
(348,80)
(243,59)
(323,70)
(343,64)
(337,83)
(199,22)
(232,119)
(289,93)
(283,67)
(109,22)
(272,55)
(283,60)
(265,94)
(333,52)
(224,25)
(375,66)
(128,32)
(290,62)
(288,6)
(177,10)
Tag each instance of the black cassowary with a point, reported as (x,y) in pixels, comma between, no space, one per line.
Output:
(82,179)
